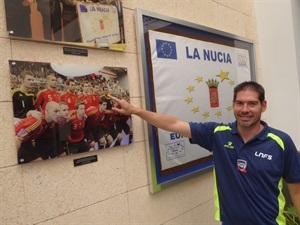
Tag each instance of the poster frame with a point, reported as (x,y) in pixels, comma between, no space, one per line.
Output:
(146,20)
(19,15)
(45,132)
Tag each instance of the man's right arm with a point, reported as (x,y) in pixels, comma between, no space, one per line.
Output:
(162,121)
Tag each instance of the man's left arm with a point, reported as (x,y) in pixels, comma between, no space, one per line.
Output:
(294,189)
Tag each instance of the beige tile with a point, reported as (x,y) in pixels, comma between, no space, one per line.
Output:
(251,31)
(129,27)
(193,11)
(244,7)
(4,68)
(229,21)
(257,55)
(164,205)
(146,5)
(200,215)
(7,141)
(3,30)
(107,212)
(12,200)
(60,187)
(44,52)
(138,127)
(136,166)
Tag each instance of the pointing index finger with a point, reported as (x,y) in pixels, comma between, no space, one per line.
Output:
(113,98)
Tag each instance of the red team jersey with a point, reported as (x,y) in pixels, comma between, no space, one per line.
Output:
(77,126)
(95,117)
(86,99)
(30,128)
(45,96)
(95,99)
(70,99)
(108,121)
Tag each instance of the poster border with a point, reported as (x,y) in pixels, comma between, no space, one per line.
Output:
(156,183)
(32,126)
(118,47)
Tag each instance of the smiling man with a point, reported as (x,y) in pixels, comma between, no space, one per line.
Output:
(251,159)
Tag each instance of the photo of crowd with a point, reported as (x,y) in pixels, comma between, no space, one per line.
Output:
(58,114)
(85,22)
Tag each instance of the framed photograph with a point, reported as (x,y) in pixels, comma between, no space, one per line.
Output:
(187,71)
(92,23)
(65,109)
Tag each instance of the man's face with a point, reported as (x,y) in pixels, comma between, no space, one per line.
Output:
(103,106)
(64,111)
(86,87)
(52,81)
(53,113)
(96,89)
(248,109)
(106,91)
(81,110)
(72,87)
(28,81)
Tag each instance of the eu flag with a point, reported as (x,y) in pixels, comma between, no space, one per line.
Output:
(83,8)
(166,49)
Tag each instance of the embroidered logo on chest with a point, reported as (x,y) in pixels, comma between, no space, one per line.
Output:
(263,155)
(229,145)
(242,165)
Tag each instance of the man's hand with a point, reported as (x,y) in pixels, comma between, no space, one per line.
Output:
(27,2)
(17,121)
(124,107)
(37,114)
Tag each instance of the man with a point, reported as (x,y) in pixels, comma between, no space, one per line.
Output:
(121,123)
(71,28)
(92,129)
(96,95)
(48,94)
(64,127)
(23,99)
(47,143)
(249,173)
(77,141)
(51,18)
(30,129)
(108,126)
(86,96)
(105,97)
(70,97)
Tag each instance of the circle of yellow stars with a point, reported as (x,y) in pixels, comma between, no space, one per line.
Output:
(223,75)
(164,52)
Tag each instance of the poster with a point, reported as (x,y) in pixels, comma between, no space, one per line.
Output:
(99,24)
(64,109)
(95,24)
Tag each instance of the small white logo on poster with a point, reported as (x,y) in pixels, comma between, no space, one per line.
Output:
(175,150)
(242,60)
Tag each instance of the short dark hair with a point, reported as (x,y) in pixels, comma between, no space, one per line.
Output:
(78,104)
(85,82)
(63,103)
(69,81)
(252,86)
